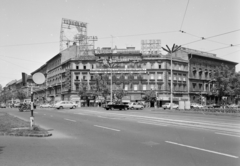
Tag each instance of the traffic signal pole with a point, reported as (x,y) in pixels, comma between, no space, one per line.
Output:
(32,117)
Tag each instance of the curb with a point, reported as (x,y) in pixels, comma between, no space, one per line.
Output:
(26,135)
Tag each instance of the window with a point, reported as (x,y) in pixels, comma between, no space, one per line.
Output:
(175,77)
(184,77)
(126,87)
(84,77)
(194,85)
(77,87)
(159,66)
(135,87)
(84,67)
(77,67)
(179,77)
(92,77)
(169,76)
(126,66)
(126,77)
(159,76)
(144,87)
(152,76)
(135,76)
(77,77)
(92,66)
(200,86)
(118,76)
(152,87)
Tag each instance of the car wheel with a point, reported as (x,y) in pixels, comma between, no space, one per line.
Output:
(61,107)
(74,107)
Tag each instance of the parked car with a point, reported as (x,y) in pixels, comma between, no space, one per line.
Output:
(65,104)
(16,105)
(3,105)
(196,105)
(135,106)
(45,106)
(116,106)
(213,106)
(233,106)
(168,106)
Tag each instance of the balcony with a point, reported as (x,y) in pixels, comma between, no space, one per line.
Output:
(76,81)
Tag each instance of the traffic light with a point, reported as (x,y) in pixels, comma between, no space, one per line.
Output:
(24,79)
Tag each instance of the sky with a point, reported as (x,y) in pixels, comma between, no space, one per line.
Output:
(30,29)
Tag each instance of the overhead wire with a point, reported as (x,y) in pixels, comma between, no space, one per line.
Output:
(223,48)
(184,14)
(26,44)
(14,64)
(206,38)
(21,59)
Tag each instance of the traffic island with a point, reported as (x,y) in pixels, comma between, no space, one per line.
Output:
(13,126)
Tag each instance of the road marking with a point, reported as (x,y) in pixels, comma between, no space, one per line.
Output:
(210,151)
(71,120)
(80,113)
(103,117)
(107,128)
(157,124)
(228,134)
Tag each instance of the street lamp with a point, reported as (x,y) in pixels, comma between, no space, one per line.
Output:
(110,64)
(170,51)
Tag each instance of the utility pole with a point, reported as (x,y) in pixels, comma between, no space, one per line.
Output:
(175,48)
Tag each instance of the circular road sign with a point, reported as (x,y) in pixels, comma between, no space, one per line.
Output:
(38,78)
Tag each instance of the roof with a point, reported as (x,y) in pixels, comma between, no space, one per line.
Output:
(204,54)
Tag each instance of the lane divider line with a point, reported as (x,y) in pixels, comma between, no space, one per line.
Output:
(157,124)
(228,134)
(205,150)
(71,120)
(80,113)
(106,128)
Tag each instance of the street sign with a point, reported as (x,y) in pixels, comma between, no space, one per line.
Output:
(38,78)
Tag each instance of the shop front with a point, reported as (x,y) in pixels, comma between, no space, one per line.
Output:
(88,101)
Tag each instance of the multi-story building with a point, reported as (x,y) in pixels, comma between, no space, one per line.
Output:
(202,66)
(134,72)
(137,74)
(63,73)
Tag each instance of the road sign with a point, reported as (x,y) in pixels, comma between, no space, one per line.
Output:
(38,78)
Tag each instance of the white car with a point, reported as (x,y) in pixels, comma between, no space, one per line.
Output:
(65,104)
(168,106)
(196,105)
(45,106)
(135,106)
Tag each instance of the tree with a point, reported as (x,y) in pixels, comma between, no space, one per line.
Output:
(149,96)
(83,88)
(223,79)
(20,94)
(120,93)
(101,86)
(6,96)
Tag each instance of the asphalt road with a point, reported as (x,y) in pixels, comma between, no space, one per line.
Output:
(93,136)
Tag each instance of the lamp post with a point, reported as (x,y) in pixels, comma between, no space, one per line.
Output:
(175,48)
